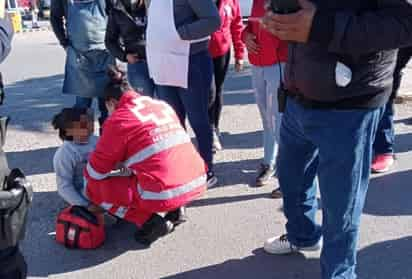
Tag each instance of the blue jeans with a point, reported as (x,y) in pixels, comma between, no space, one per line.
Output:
(194,102)
(84,102)
(385,135)
(266,83)
(139,79)
(337,146)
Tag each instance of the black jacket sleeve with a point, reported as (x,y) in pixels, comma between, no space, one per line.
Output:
(112,41)
(387,27)
(57,16)
(6,34)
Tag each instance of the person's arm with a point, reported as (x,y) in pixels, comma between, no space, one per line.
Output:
(57,19)
(389,27)
(236,29)
(112,39)
(6,35)
(109,152)
(64,166)
(208,20)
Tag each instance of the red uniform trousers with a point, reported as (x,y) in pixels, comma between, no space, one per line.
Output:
(118,195)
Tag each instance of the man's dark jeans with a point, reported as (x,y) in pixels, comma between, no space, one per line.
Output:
(335,145)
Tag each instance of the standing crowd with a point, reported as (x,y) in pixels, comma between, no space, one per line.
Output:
(325,78)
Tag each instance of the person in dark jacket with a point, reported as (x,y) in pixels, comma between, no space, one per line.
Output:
(338,78)
(12,263)
(383,147)
(125,39)
(80,27)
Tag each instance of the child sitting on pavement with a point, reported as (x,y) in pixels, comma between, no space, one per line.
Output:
(76,128)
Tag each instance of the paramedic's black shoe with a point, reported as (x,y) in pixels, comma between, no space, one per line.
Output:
(177,216)
(153,229)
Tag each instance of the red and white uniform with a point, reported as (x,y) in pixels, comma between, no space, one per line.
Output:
(145,135)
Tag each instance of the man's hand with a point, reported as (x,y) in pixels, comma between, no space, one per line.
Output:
(291,27)
(250,42)
(239,65)
(132,58)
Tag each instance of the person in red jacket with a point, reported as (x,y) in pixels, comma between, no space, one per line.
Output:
(166,172)
(219,47)
(267,54)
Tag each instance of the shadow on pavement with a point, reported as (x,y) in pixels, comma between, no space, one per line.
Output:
(28,160)
(226,200)
(260,266)
(238,89)
(32,103)
(403,143)
(239,172)
(47,257)
(407,121)
(390,195)
(241,141)
(389,259)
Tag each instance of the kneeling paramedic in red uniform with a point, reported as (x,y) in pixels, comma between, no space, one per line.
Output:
(146,137)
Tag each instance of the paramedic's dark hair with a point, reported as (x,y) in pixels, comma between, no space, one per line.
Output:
(63,120)
(118,84)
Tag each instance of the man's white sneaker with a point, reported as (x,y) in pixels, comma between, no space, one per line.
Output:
(280,245)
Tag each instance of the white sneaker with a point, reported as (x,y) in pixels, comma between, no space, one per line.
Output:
(280,245)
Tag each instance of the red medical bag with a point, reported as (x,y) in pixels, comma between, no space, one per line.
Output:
(77,228)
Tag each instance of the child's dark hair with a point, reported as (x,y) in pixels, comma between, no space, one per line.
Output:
(63,120)
(118,84)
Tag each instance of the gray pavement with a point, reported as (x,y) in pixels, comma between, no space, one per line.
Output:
(227,227)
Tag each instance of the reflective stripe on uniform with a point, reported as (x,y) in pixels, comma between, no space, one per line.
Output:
(84,189)
(106,206)
(173,140)
(121,212)
(172,193)
(94,174)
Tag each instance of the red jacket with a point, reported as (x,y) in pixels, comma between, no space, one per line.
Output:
(145,135)
(269,44)
(229,31)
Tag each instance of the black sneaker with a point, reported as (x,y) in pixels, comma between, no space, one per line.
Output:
(177,216)
(264,175)
(211,179)
(153,229)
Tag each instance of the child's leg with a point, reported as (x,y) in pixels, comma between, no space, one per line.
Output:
(118,196)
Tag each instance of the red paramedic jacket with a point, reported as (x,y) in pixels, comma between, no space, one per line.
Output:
(145,135)
(272,49)
(229,31)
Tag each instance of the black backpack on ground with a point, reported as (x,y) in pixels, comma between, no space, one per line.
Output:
(15,198)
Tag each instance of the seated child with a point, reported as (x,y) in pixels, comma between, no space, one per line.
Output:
(75,127)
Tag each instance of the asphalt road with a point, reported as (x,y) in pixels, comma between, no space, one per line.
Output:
(227,226)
